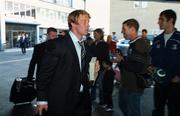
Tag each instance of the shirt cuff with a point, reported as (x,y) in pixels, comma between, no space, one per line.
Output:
(42,102)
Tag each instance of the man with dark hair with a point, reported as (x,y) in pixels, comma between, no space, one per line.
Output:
(38,53)
(132,66)
(144,33)
(114,37)
(63,83)
(51,29)
(144,36)
(165,55)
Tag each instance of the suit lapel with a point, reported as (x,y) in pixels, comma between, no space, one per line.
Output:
(73,49)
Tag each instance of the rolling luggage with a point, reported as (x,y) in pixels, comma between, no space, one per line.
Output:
(23,91)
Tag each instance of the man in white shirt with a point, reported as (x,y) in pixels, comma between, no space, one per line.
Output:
(63,84)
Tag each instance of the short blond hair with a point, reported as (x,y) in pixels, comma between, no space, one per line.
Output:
(73,16)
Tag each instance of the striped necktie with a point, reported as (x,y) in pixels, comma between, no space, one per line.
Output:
(83,53)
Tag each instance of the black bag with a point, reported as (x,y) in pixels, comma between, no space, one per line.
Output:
(23,90)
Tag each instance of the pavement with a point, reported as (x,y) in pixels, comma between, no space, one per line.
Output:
(16,50)
(14,64)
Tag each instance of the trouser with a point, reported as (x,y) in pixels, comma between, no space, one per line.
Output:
(129,102)
(23,49)
(107,95)
(170,95)
(98,83)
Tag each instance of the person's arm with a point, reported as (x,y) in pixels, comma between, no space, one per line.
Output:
(32,64)
(47,70)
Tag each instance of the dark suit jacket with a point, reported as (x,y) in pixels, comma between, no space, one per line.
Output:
(60,79)
(101,51)
(36,59)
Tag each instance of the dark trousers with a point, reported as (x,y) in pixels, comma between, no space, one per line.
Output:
(84,105)
(107,95)
(23,49)
(170,95)
(129,102)
(98,84)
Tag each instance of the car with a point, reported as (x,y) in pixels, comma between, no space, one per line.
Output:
(123,45)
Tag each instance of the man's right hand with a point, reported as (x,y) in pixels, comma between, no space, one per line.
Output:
(41,108)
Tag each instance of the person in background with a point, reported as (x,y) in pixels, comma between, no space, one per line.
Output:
(62,34)
(23,43)
(165,54)
(89,40)
(144,36)
(100,50)
(108,84)
(38,53)
(114,37)
(111,44)
(135,63)
(63,83)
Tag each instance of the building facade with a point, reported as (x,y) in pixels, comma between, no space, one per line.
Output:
(109,14)
(33,17)
(146,12)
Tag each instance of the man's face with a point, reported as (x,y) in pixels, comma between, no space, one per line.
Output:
(82,25)
(144,34)
(52,35)
(163,23)
(126,31)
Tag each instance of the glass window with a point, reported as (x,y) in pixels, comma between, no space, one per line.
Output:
(33,11)
(51,1)
(47,13)
(67,3)
(9,6)
(16,9)
(22,9)
(42,12)
(28,10)
(52,14)
(64,17)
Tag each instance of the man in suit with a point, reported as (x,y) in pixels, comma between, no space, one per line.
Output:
(23,43)
(39,52)
(63,84)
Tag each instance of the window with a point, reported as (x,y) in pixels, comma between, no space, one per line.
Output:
(16,9)
(22,10)
(51,1)
(67,3)
(28,10)
(9,6)
(33,11)
(141,4)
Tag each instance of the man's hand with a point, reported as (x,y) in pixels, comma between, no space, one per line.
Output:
(97,68)
(41,108)
(119,58)
(176,79)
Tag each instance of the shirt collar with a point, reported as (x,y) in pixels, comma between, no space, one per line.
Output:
(133,40)
(74,37)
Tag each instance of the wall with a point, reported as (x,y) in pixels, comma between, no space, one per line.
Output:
(147,16)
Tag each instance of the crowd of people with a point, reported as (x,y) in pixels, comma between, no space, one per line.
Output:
(62,77)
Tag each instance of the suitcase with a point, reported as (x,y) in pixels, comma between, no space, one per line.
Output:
(23,91)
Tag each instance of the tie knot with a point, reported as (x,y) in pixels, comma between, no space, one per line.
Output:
(81,43)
